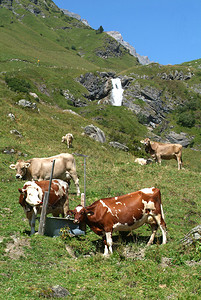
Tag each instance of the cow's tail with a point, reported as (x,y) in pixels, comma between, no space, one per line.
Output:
(162,213)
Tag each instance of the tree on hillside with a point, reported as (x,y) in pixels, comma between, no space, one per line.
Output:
(100,30)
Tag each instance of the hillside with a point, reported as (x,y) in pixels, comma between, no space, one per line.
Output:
(68,66)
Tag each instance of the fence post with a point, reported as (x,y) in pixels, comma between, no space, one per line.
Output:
(41,228)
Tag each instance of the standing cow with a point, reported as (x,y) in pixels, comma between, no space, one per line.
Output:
(123,213)
(163,151)
(68,139)
(32,194)
(40,169)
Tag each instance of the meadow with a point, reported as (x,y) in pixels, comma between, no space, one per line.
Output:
(31,265)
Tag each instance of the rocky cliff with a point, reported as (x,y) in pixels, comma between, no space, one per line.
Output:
(144,60)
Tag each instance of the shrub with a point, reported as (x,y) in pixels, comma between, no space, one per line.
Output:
(73,47)
(186,119)
(17,84)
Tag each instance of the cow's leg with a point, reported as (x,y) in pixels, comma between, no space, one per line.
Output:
(154,228)
(158,159)
(73,174)
(32,221)
(66,206)
(161,223)
(179,161)
(109,241)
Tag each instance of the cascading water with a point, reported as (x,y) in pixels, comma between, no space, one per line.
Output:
(117,92)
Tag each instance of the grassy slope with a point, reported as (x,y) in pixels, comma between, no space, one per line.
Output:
(109,172)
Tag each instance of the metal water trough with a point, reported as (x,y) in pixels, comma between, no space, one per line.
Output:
(54,225)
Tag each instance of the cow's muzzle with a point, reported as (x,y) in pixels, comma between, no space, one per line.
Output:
(18,176)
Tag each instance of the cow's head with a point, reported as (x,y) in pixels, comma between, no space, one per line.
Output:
(21,168)
(31,195)
(145,142)
(79,214)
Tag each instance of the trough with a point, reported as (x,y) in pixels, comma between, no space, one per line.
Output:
(53,226)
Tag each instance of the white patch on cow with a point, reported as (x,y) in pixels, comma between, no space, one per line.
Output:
(34,193)
(62,185)
(108,208)
(120,203)
(147,190)
(109,241)
(125,227)
(79,208)
(148,205)
(115,198)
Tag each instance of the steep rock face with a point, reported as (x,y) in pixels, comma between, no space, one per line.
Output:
(76,16)
(98,85)
(144,60)
(111,49)
(36,7)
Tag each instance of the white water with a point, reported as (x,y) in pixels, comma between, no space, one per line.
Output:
(117,92)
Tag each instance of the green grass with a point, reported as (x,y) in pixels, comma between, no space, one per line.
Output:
(45,262)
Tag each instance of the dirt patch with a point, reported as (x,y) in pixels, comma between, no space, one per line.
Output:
(136,255)
(15,249)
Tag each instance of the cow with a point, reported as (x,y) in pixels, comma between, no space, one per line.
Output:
(143,161)
(68,139)
(163,151)
(38,169)
(32,194)
(123,213)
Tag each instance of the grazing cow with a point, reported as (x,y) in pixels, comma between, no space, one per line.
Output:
(68,139)
(123,213)
(31,199)
(163,151)
(40,169)
(143,161)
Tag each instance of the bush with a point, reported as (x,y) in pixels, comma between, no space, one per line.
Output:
(17,84)
(186,119)
(73,47)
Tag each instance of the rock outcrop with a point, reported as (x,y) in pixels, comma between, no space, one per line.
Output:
(144,60)
(95,133)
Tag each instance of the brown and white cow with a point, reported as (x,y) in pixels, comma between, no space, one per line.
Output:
(68,139)
(123,213)
(163,151)
(40,169)
(32,194)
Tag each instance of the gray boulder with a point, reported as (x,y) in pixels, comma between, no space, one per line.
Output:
(95,133)
(119,146)
(179,138)
(16,132)
(192,236)
(26,103)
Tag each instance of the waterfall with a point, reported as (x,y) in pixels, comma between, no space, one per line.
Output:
(117,92)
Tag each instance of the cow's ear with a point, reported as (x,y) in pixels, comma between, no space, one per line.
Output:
(70,212)
(12,166)
(20,190)
(26,165)
(90,213)
(153,145)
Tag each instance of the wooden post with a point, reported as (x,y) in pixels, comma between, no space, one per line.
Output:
(41,228)
(78,154)
(83,200)
(83,203)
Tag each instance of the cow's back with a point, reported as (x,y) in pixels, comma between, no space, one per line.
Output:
(40,168)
